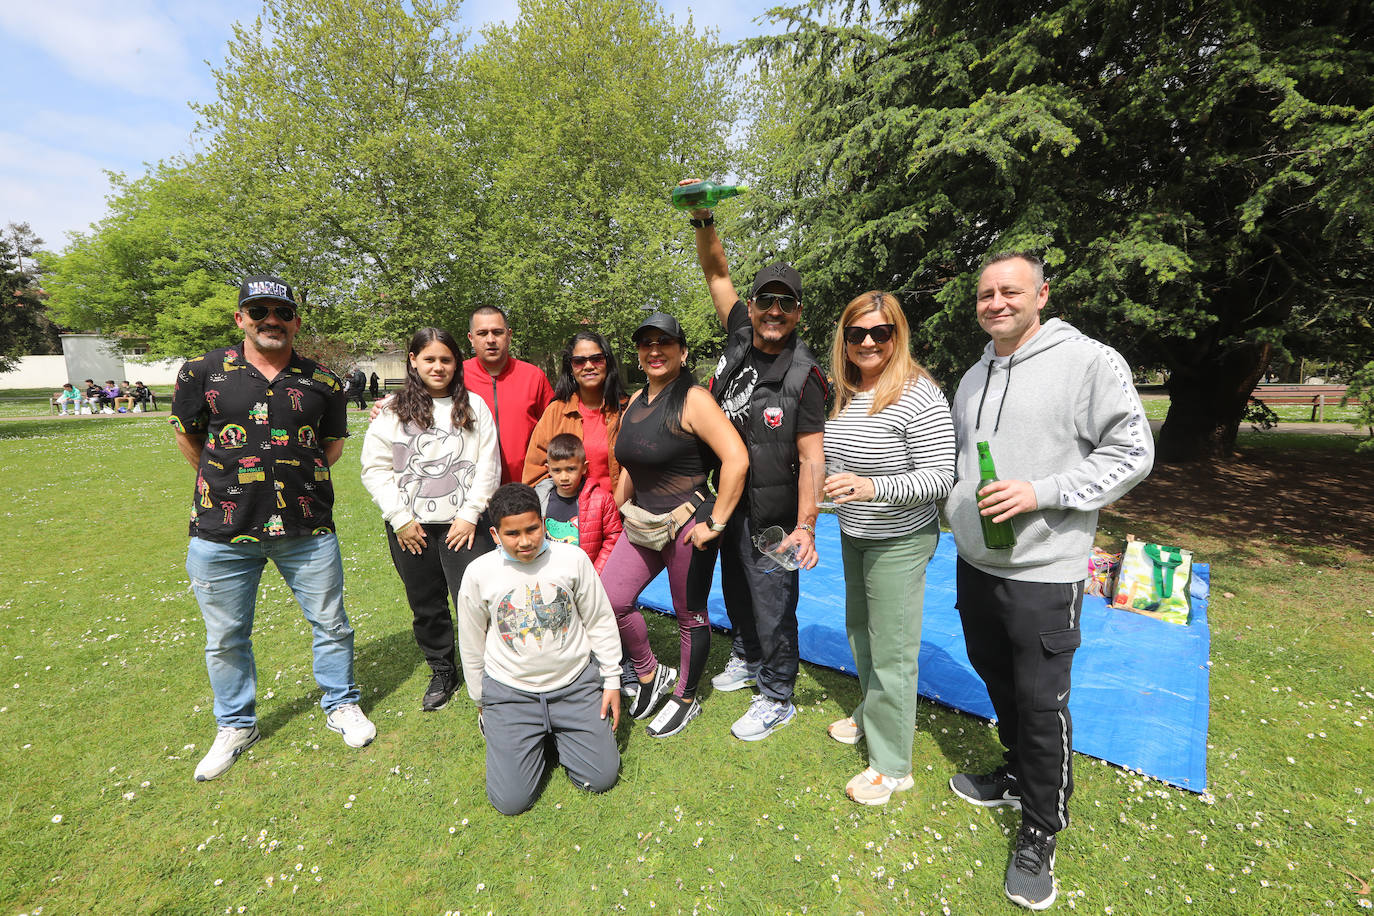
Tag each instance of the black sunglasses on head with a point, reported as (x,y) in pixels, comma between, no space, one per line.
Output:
(285,313)
(881,333)
(764,302)
(596,359)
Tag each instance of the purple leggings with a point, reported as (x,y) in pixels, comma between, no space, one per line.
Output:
(631,568)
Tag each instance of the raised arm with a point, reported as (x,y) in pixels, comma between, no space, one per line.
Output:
(711,257)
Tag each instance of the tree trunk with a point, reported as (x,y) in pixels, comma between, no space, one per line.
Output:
(1206,402)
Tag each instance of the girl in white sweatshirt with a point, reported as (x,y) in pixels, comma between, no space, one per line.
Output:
(430,461)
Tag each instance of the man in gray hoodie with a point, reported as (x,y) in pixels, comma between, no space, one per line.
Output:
(1068,435)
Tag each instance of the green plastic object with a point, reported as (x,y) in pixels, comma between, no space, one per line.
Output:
(996,535)
(703,195)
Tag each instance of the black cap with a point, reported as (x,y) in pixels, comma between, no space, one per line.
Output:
(661,321)
(265,286)
(777,272)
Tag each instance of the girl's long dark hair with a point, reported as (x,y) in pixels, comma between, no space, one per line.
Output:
(414,403)
(613,389)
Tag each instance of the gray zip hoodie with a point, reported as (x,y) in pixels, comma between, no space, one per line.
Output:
(1062,413)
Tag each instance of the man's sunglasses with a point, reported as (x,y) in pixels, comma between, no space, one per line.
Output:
(285,313)
(881,333)
(764,302)
(596,359)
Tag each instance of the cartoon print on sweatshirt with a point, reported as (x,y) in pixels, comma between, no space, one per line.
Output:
(537,618)
(431,473)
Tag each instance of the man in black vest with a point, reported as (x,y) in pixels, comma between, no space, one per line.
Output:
(769,385)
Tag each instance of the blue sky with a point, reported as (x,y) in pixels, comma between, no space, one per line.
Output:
(95,85)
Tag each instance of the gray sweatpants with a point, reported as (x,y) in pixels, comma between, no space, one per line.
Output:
(516,724)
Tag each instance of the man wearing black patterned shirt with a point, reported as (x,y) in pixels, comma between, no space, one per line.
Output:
(262,425)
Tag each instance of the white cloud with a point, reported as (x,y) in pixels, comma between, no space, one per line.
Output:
(130,45)
(122,144)
(52,189)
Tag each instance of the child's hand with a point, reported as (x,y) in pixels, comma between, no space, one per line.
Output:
(411,537)
(610,700)
(460,535)
(482,725)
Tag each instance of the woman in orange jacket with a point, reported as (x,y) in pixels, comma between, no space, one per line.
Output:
(588,397)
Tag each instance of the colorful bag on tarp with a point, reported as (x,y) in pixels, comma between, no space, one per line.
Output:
(1102,568)
(1154,581)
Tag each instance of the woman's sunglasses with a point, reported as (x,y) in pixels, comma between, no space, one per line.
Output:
(881,333)
(286,313)
(596,359)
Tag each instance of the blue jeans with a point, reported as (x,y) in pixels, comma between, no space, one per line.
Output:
(225,579)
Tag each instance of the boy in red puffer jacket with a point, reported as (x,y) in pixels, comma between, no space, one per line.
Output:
(576,510)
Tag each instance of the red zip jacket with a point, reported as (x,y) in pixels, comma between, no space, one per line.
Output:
(598,520)
(517,398)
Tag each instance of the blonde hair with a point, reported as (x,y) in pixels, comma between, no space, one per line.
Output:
(901,369)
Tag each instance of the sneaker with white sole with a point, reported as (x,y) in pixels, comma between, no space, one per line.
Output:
(845,731)
(738,673)
(348,720)
(229,743)
(873,788)
(987,790)
(764,716)
(1030,873)
(673,717)
(649,695)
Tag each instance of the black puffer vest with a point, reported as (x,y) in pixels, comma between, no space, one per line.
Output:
(771,432)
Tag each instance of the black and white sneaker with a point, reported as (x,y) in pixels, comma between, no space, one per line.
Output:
(987,789)
(1030,873)
(440,691)
(647,700)
(673,717)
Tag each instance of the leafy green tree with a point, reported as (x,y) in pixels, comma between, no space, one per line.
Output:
(1196,176)
(25,328)
(587,113)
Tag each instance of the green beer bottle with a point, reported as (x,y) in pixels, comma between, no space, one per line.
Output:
(996,535)
(702,195)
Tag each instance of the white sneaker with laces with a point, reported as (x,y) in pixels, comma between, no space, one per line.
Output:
(764,716)
(738,673)
(229,743)
(348,720)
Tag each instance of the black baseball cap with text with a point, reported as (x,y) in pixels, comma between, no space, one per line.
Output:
(778,272)
(265,286)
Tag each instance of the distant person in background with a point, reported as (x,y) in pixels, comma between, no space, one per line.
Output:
(517,392)
(124,400)
(355,387)
(143,397)
(68,397)
(375,386)
(108,393)
(93,395)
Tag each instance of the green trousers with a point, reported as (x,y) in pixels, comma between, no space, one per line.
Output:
(884,586)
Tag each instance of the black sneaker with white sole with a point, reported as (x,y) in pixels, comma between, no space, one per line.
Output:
(650,694)
(987,789)
(673,717)
(1030,873)
(439,692)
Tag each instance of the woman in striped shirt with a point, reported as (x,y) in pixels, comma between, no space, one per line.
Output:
(891,430)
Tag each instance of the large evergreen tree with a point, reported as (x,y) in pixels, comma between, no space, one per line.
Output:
(1196,174)
(25,328)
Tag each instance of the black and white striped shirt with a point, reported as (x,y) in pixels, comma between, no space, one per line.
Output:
(906,449)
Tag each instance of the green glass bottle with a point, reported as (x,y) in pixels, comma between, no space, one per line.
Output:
(702,195)
(996,535)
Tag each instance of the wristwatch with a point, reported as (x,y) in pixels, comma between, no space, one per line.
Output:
(702,223)
(717,527)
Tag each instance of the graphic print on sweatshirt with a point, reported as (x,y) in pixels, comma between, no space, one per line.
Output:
(433,481)
(537,619)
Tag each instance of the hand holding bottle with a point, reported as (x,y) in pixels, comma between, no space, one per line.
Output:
(1003,499)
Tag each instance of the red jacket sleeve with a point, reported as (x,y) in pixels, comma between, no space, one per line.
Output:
(610,528)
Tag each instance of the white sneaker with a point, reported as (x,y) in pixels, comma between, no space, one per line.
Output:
(738,673)
(348,720)
(764,716)
(229,743)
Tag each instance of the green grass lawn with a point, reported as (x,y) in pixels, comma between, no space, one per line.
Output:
(105,709)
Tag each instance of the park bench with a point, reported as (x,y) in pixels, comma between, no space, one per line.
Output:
(1317,396)
(392,384)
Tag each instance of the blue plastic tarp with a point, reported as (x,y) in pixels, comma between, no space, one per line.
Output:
(1140,685)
